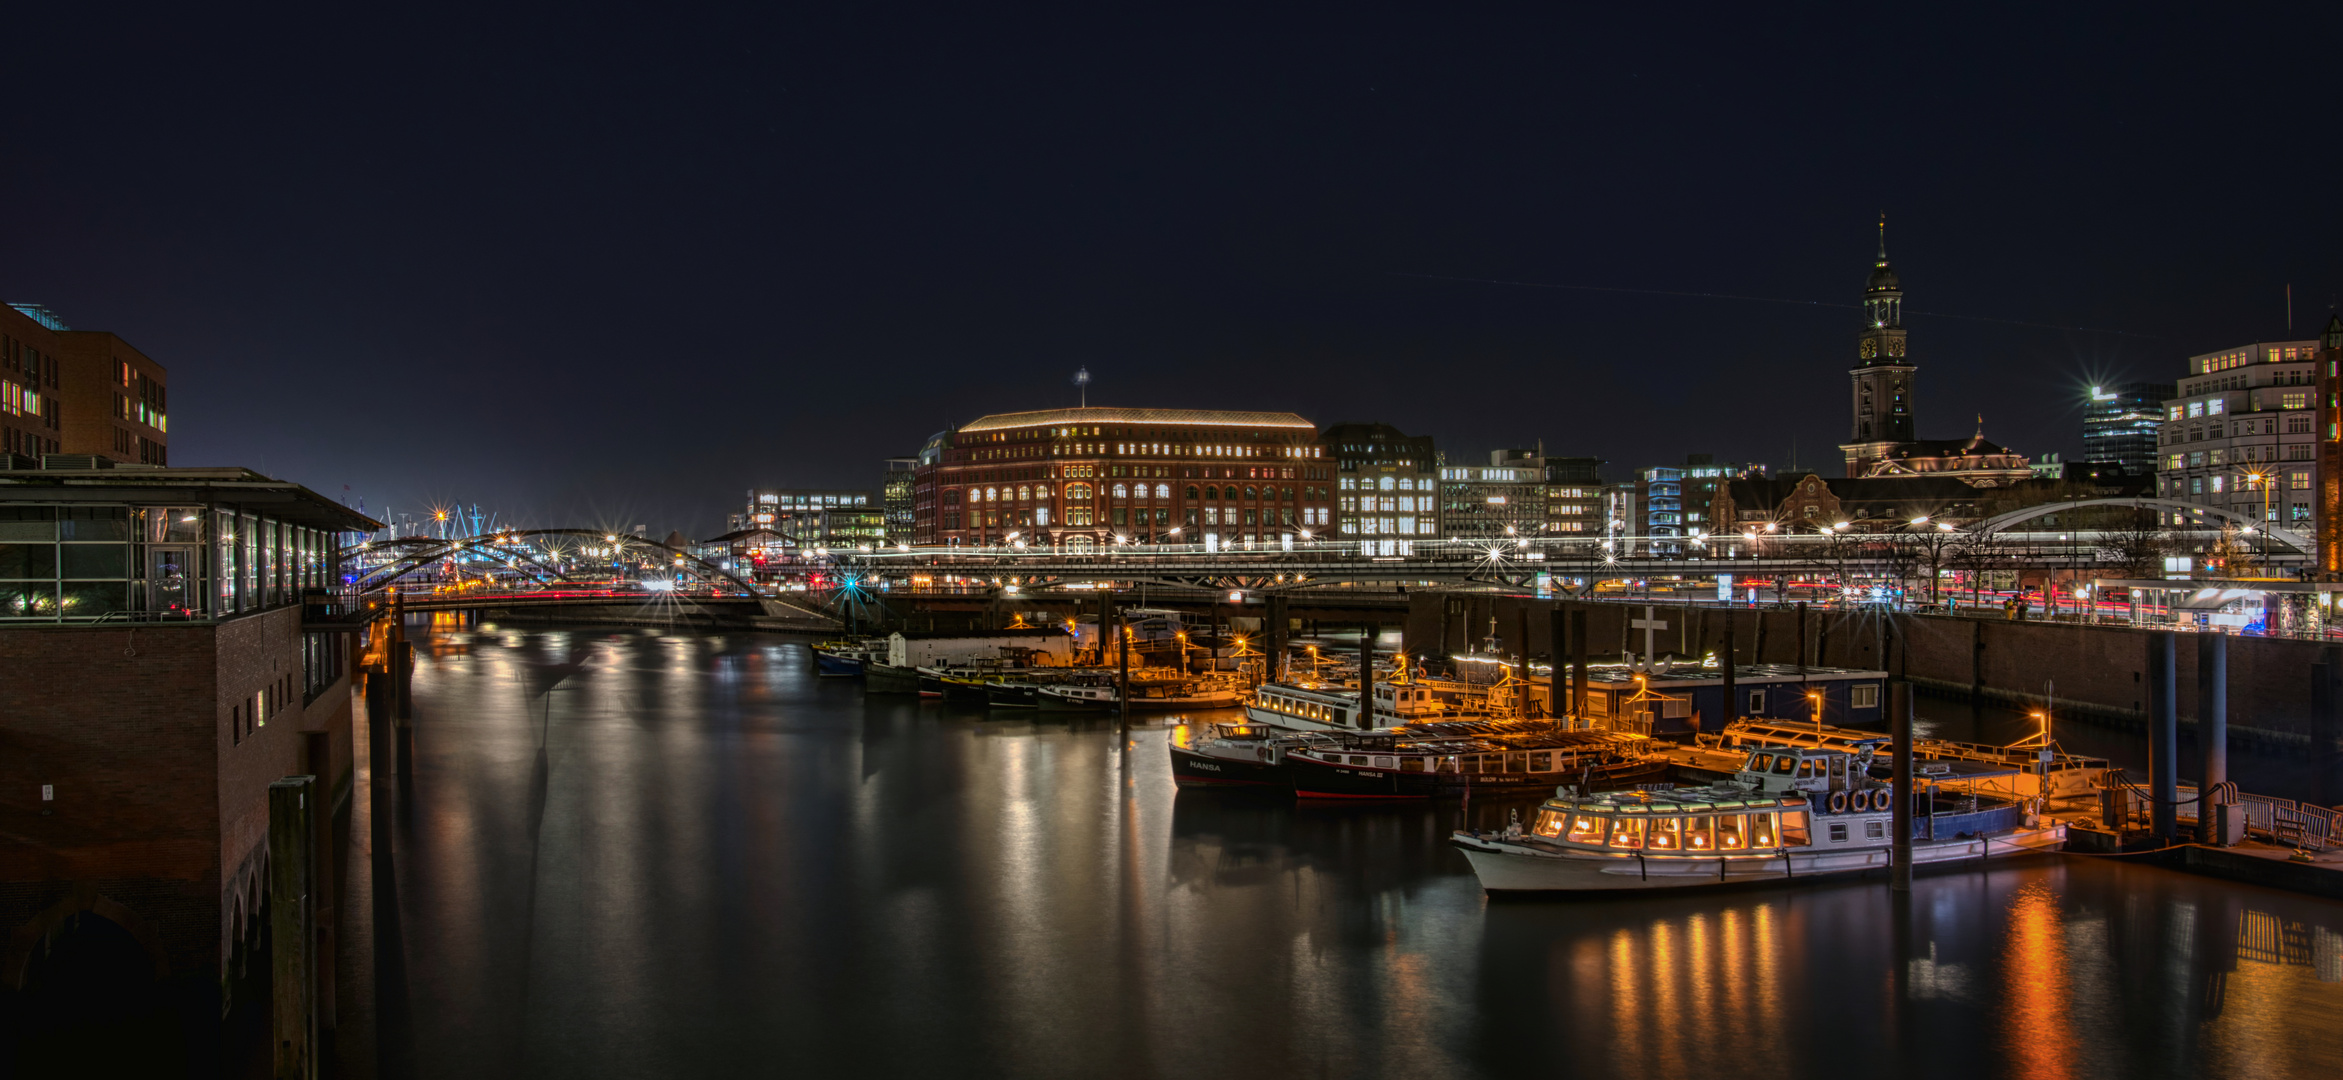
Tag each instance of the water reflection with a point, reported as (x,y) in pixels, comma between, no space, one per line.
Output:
(634,854)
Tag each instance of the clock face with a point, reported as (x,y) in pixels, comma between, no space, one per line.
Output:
(1870,348)
(1895,347)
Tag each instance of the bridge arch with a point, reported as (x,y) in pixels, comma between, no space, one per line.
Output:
(2288,537)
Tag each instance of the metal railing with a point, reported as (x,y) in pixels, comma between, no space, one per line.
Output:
(2280,821)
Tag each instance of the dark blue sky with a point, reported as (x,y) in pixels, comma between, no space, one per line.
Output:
(619,264)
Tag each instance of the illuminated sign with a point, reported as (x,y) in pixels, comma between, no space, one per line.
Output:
(2096,395)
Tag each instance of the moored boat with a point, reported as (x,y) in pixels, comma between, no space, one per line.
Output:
(1232,756)
(1790,814)
(1398,766)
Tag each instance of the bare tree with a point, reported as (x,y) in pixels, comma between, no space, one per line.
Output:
(2138,544)
(1928,546)
(1975,552)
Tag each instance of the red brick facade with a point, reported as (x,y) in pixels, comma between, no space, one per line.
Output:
(160,780)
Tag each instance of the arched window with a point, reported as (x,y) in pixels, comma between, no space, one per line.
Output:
(1078,492)
(1024,492)
(1252,494)
(1121,492)
(1387,482)
(990,495)
(1191,493)
(1212,493)
(1163,491)
(1042,493)
(975,495)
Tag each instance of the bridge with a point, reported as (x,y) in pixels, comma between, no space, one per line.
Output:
(534,567)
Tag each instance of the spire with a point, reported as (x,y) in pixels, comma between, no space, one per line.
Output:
(1980,425)
(1883,238)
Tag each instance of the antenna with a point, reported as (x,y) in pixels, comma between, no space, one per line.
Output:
(1082,379)
(2289,307)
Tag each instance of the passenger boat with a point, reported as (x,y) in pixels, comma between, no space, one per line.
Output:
(838,659)
(1024,691)
(1403,699)
(1414,764)
(1789,814)
(1232,756)
(1152,694)
(2041,767)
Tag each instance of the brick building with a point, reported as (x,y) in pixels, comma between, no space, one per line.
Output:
(162,672)
(1086,478)
(97,394)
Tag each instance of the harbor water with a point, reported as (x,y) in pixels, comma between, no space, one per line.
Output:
(641,854)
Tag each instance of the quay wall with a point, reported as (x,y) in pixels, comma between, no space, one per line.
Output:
(2097,672)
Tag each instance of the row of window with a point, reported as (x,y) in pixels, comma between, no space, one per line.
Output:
(2216,406)
(2273,354)
(2298,480)
(1085,492)
(2200,459)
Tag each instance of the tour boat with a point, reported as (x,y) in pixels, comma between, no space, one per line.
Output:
(1317,706)
(1408,764)
(1153,694)
(2041,767)
(1789,814)
(835,659)
(1232,756)
(1023,691)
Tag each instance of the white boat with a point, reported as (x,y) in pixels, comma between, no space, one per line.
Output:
(1789,814)
(1318,706)
(1178,694)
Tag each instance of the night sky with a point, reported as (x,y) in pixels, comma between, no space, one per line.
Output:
(617,266)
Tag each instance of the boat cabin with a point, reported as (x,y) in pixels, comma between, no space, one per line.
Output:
(1700,821)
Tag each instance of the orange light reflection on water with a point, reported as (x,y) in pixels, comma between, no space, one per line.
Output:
(2037,1033)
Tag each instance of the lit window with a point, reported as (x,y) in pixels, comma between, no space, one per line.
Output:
(2213,407)
(2196,408)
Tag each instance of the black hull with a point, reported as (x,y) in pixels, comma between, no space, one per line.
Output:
(1191,769)
(1012,697)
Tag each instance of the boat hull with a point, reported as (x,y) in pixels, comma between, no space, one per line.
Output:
(1191,769)
(1008,696)
(1513,869)
(884,679)
(833,665)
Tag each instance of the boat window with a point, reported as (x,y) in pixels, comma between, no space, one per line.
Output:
(1667,834)
(1875,830)
(1761,830)
(1411,764)
(1785,764)
(1382,762)
(1806,769)
(1730,831)
(1542,761)
(1794,832)
(1550,824)
(1517,763)
(1700,833)
(1838,832)
(1358,759)
(1586,830)
(1626,832)
(1759,762)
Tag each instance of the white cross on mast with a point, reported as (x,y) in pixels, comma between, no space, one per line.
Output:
(1649,625)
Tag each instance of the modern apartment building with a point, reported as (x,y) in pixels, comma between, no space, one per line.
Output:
(2241,433)
(98,395)
(895,492)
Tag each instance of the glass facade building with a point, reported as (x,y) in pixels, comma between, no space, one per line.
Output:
(103,545)
(2120,424)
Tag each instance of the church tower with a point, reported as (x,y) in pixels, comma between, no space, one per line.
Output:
(1883,371)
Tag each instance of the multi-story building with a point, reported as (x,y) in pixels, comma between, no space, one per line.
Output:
(1623,517)
(2241,433)
(1505,498)
(895,493)
(1090,477)
(29,377)
(1386,486)
(167,660)
(1574,497)
(2329,427)
(2121,421)
(1884,375)
(926,521)
(1674,500)
(811,516)
(107,399)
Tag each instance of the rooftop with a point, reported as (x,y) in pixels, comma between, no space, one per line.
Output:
(1165,417)
(241,488)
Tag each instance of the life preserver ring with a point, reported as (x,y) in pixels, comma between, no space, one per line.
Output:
(1838,802)
(1859,802)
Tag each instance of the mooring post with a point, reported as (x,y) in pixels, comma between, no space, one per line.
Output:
(1558,677)
(1578,663)
(1899,704)
(1122,662)
(2326,721)
(292,834)
(1732,702)
(2163,734)
(1274,668)
(1801,616)
(1367,676)
(2212,726)
(1521,650)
